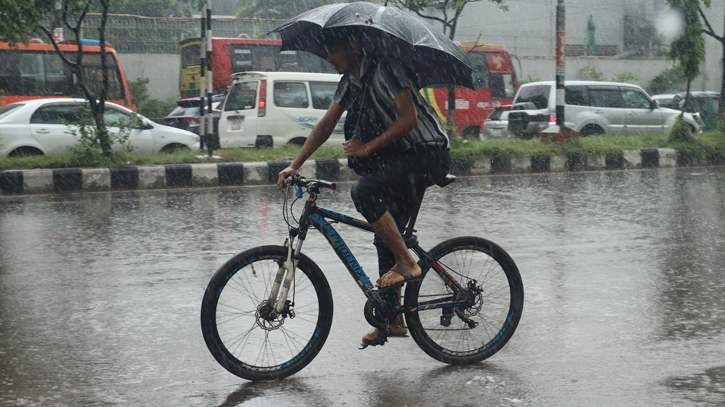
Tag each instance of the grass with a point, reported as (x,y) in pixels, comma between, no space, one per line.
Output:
(464,152)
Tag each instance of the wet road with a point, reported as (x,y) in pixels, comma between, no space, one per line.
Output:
(624,274)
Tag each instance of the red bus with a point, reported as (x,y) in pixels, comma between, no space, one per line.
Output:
(232,55)
(35,71)
(496,85)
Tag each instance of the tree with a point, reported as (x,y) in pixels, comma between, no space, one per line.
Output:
(689,48)
(18,19)
(277,9)
(721,39)
(449,12)
(96,98)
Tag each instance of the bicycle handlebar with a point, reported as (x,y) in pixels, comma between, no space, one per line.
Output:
(300,181)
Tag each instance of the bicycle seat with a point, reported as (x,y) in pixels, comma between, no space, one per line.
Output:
(449,179)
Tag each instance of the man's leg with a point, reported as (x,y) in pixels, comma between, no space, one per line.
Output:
(386,228)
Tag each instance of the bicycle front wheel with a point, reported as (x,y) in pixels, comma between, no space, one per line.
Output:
(237,327)
(466,334)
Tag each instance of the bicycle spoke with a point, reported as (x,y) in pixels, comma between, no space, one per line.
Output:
(486,299)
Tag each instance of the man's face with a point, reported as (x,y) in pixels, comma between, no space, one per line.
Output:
(340,57)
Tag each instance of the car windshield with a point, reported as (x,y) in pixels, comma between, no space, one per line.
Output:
(242,96)
(538,95)
(5,110)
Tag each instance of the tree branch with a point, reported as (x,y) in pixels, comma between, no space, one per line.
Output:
(440,20)
(709,30)
(57,50)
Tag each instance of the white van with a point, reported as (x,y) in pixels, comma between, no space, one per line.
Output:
(270,109)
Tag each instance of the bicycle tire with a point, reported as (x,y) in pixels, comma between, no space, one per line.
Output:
(497,308)
(246,344)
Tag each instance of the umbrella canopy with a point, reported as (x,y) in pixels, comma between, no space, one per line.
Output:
(428,54)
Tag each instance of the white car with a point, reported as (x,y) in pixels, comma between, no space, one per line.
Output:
(41,126)
(495,127)
(591,108)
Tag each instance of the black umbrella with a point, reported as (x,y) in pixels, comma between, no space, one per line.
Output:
(428,54)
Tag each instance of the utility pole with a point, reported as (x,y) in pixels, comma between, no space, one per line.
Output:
(560,131)
(560,62)
(206,119)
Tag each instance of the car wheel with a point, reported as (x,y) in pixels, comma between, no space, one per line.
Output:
(528,136)
(25,152)
(297,141)
(173,148)
(591,130)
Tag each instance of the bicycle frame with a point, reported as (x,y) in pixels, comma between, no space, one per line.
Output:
(317,217)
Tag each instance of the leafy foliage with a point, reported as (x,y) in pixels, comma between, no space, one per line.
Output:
(591,73)
(625,76)
(19,20)
(689,49)
(156,108)
(681,131)
(669,81)
(151,108)
(139,91)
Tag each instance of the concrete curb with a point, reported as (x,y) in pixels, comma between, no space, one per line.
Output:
(68,180)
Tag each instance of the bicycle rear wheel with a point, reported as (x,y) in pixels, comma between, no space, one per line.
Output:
(233,319)
(486,271)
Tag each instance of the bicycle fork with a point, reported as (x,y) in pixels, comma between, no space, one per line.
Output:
(277,300)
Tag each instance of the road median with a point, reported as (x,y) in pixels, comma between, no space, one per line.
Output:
(232,174)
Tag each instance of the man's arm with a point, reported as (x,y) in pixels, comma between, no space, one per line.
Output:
(407,120)
(322,131)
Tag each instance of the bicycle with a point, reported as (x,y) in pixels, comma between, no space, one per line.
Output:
(267,312)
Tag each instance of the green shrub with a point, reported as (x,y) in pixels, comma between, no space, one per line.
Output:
(156,109)
(681,131)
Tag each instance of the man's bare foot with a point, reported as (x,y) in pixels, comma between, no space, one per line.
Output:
(397,328)
(398,274)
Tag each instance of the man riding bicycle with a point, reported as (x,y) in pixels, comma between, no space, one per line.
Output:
(394,140)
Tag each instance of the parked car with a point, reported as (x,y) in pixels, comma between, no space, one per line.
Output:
(704,103)
(276,108)
(495,127)
(45,126)
(591,108)
(186,114)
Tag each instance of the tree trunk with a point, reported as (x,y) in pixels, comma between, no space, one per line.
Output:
(101,131)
